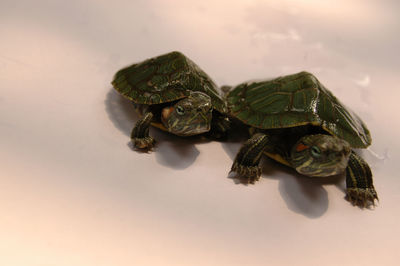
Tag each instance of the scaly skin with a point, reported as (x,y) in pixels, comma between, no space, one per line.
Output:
(320,155)
(246,163)
(360,188)
(189,116)
(313,155)
(140,133)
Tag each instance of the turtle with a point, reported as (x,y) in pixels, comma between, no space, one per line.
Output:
(172,93)
(298,122)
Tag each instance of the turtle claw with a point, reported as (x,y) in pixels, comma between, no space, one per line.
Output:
(247,160)
(140,133)
(146,143)
(247,174)
(362,197)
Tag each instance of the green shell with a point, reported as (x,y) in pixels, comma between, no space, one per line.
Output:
(295,100)
(165,78)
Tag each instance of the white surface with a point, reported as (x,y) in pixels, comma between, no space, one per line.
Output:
(74,193)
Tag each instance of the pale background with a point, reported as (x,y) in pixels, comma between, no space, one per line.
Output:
(72,192)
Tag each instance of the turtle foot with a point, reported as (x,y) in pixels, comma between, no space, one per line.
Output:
(247,174)
(146,143)
(362,197)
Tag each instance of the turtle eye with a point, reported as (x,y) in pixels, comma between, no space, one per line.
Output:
(180,110)
(315,151)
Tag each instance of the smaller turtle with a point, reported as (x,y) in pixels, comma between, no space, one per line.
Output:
(172,93)
(296,121)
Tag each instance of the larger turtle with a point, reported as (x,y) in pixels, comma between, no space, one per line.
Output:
(172,93)
(296,121)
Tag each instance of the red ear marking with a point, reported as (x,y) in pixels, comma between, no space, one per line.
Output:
(301,147)
(167,111)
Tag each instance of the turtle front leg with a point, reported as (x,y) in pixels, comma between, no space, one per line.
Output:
(360,189)
(220,126)
(140,133)
(247,160)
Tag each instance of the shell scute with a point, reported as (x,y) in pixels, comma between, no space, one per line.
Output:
(165,78)
(296,100)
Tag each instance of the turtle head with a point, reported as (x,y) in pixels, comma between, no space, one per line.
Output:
(189,116)
(320,155)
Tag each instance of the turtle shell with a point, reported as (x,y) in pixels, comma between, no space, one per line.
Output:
(165,78)
(296,100)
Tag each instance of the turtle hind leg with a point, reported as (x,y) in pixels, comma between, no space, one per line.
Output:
(246,163)
(140,133)
(360,189)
